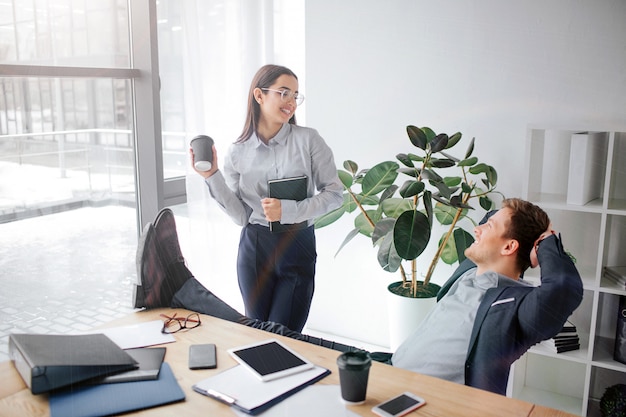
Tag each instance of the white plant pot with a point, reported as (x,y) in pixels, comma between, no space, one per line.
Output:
(405,314)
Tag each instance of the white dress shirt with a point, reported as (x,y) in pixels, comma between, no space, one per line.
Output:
(294,151)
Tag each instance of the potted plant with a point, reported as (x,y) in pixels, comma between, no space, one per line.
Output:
(613,401)
(399,218)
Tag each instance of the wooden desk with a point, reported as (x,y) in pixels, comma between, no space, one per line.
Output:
(443,398)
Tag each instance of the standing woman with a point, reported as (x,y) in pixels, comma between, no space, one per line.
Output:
(276,271)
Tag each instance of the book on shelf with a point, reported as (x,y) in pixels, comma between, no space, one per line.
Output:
(47,361)
(293,188)
(587,159)
(565,341)
(567,328)
(560,348)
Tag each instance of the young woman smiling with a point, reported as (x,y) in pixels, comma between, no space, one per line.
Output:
(276,271)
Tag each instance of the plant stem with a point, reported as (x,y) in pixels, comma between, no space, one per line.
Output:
(433,263)
(358,203)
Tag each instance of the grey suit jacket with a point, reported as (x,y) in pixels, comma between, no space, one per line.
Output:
(512,318)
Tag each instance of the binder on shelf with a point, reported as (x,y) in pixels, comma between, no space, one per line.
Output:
(114,399)
(293,188)
(240,389)
(586,167)
(47,362)
(619,351)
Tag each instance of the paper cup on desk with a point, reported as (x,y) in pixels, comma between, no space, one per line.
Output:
(354,369)
(202,152)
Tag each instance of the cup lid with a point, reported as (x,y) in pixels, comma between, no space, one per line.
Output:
(204,137)
(354,360)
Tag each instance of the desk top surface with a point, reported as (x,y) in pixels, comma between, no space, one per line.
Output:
(443,398)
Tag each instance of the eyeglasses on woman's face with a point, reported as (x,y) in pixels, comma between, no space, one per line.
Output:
(286,95)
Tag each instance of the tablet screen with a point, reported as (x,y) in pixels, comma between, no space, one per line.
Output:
(270,359)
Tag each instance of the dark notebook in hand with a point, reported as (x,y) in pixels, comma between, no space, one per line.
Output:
(294,188)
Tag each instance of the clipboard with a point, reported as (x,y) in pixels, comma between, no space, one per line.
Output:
(240,389)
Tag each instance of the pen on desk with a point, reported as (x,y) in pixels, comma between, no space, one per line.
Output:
(223,397)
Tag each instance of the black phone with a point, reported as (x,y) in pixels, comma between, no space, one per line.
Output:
(202,356)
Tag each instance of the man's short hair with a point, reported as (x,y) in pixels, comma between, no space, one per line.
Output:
(527,223)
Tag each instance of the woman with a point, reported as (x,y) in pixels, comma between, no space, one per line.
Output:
(275,270)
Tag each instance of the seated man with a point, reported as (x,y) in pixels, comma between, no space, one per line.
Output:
(485,319)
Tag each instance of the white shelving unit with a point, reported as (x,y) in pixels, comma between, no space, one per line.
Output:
(595,234)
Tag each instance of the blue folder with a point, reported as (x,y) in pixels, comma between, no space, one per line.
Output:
(108,399)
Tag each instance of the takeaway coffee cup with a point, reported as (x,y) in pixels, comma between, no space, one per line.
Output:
(203,152)
(354,369)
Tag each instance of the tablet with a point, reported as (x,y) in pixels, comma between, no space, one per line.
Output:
(269,359)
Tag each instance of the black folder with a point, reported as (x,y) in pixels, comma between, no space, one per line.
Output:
(116,399)
(293,188)
(47,362)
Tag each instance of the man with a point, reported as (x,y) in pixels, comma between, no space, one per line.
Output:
(485,319)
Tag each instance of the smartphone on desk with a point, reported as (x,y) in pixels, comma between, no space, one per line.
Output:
(202,356)
(399,405)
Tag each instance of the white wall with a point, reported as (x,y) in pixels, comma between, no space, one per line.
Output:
(485,68)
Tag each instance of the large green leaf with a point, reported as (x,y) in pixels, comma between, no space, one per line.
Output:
(486,203)
(367,200)
(345,178)
(462,240)
(470,149)
(468,162)
(442,162)
(411,188)
(411,234)
(411,172)
(430,134)
(454,139)
(382,229)
(329,218)
(351,166)
(387,256)
(348,238)
(448,253)
(417,137)
(439,143)
(445,214)
(388,193)
(364,226)
(394,207)
(405,159)
(452,181)
(379,177)
(492,175)
(454,251)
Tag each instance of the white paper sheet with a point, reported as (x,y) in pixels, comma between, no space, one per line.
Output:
(138,335)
